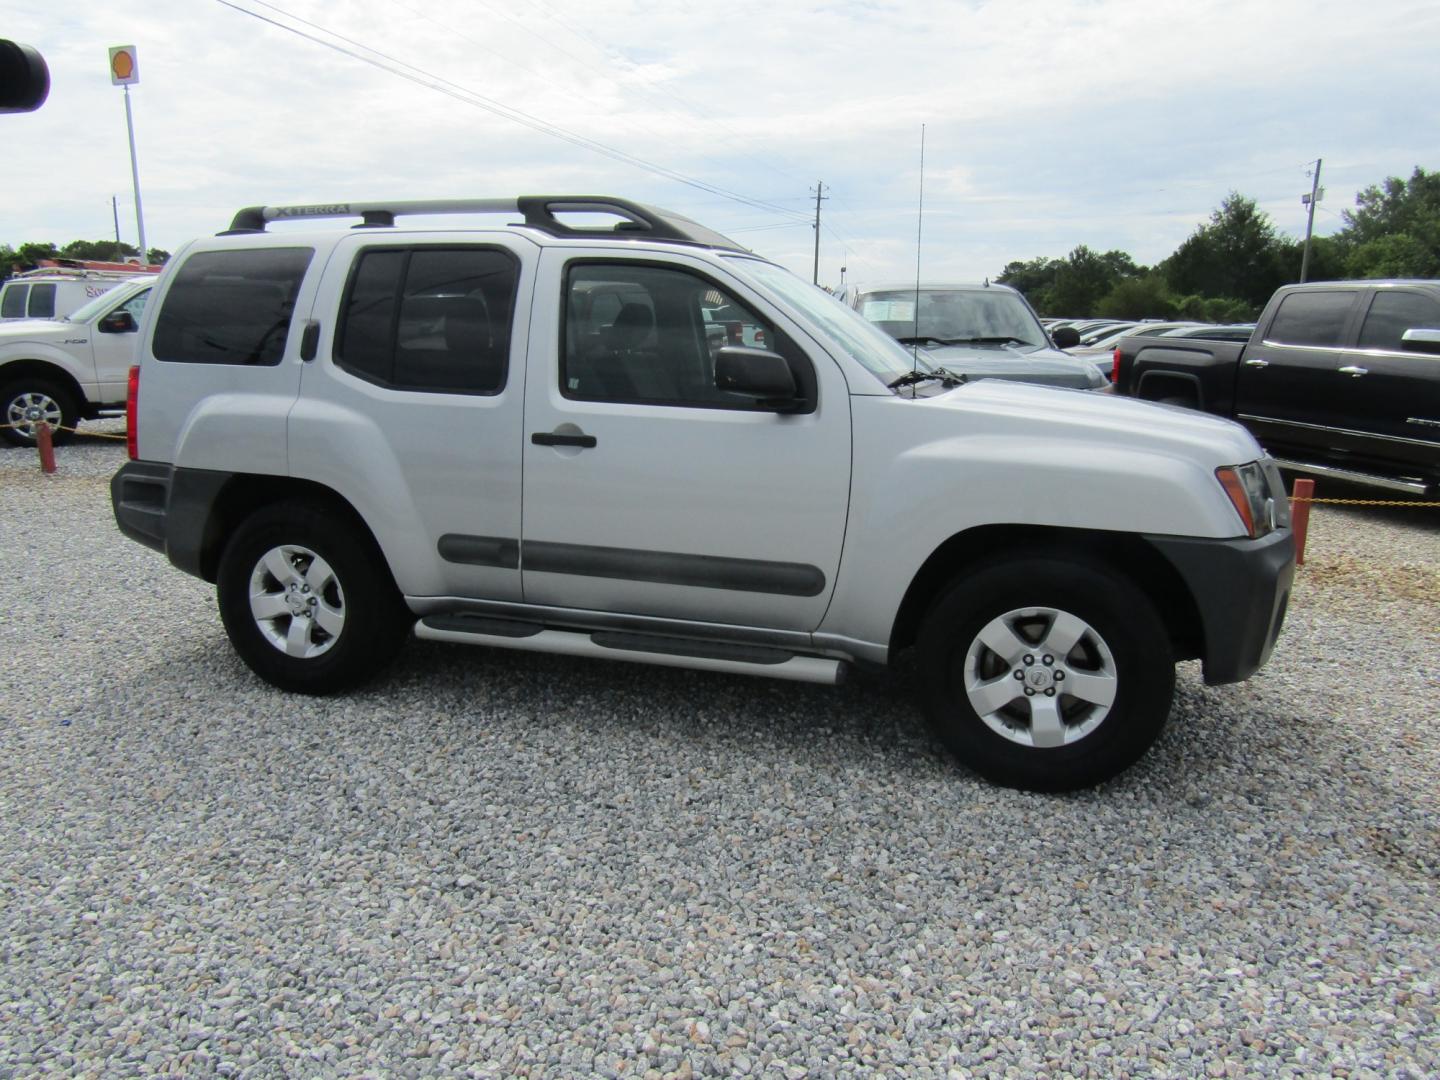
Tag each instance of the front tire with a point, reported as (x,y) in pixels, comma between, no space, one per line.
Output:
(1046,673)
(26,402)
(307,599)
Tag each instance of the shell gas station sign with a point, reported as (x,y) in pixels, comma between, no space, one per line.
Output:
(124,67)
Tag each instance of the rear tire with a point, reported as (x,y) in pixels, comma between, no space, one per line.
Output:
(1045,672)
(26,401)
(307,599)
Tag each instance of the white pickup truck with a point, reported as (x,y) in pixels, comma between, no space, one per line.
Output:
(529,436)
(60,370)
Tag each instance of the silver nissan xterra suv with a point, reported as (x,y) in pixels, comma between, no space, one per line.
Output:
(531,435)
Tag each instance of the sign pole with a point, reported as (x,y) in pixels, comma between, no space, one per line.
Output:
(124,70)
(135,177)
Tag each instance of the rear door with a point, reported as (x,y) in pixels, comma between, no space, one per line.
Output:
(1290,390)
(411,408)
(647,490)
(1394,395)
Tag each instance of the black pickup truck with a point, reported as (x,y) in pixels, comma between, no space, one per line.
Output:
(1340,378)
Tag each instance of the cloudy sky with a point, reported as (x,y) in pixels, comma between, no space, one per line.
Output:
(1112,123)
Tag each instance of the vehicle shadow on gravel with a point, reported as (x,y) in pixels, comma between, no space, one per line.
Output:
(871,722)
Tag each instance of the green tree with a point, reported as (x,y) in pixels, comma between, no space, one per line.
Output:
(1084,277)
(1138,298)
(31,253)
(99,250)
(1035,278)
(1236,254)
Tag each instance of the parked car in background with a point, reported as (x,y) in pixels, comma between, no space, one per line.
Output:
(980,331)
(56,289)
(1339,378)
(1235,332)
(1091,336)
(60,370)
(1105,345)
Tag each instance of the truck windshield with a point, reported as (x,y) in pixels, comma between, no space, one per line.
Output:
(955,316)
(878,353)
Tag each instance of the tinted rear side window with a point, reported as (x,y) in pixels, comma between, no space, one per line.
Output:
(1316,319)
(432,319)
(42,301)
(1392,313)
(231,307)
(13,304)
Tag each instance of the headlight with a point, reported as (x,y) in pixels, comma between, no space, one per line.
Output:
(1253,497)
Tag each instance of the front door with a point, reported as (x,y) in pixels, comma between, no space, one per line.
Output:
(649,491)
(1290,391)
(115,349)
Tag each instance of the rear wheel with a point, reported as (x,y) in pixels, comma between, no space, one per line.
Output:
(307,599)
(25,403)
(1046,673)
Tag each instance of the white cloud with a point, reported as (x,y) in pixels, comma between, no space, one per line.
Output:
(1114,123)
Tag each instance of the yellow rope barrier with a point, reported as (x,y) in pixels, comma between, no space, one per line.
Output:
(61,427)
(1365,502)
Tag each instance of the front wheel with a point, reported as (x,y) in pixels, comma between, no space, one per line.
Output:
(307,599)
(27,402)
(1046,673)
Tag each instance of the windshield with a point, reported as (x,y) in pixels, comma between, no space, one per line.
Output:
(878,353)
(102,303)
(955,316)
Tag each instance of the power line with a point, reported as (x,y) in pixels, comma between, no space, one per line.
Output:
(430,81)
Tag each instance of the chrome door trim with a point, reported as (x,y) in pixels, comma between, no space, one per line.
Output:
(1336,430)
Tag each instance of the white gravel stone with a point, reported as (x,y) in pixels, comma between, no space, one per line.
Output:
(495,864)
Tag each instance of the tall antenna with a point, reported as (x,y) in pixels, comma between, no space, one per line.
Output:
(919,225)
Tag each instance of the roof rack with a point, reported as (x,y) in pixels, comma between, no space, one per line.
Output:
(637,222)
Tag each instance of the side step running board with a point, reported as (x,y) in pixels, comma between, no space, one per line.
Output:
(641,648)
(1413,487)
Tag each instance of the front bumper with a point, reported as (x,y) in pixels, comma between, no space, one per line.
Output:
(1241,588)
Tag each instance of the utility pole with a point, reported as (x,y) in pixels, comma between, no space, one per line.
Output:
(1310,201)
(815,274)
(115,212)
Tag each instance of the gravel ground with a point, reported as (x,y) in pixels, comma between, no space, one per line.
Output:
(499,864)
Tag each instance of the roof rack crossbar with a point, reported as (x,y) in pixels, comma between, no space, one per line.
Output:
(636,222)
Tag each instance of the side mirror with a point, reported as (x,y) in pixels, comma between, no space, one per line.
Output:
(1421,341)
(1067,337)
(756,373)
(117,322)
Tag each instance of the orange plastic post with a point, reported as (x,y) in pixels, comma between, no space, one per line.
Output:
(1300,515)
(46,446)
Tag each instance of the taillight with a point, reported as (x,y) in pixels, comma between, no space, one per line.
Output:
(132,402)
(1115,366)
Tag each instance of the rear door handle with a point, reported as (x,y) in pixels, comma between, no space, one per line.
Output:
(1257,362)
(1353,371)
(549,438)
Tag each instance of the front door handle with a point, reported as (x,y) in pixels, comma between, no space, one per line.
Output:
(1353,371)
(549,438)
(1257,362)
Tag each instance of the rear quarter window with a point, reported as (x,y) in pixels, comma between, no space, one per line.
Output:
(231,307)
(42,301)
(12,303)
